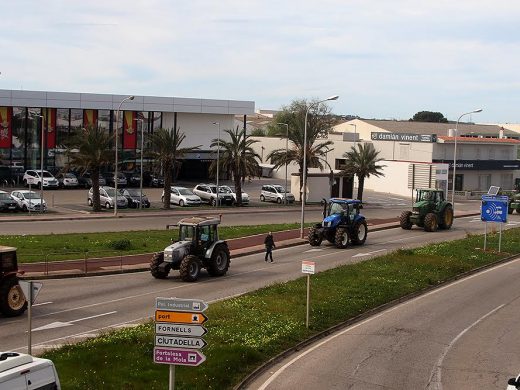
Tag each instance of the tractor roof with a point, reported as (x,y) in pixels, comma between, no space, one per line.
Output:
(429,189)
(345,201)
(199,221)
(6,249)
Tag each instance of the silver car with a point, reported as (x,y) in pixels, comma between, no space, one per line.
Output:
(208,194)
(183,197)
(275,193)
(245,196)
(29,200)
(107,196)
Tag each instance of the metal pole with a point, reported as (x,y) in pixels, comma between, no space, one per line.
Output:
(500,239)
(41,164)
(171,381)
(286,153)
(29,315)
(217,203)
(485,237)
(116,130)
(308,300)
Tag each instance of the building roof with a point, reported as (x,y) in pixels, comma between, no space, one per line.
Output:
(439,128)
(446,139)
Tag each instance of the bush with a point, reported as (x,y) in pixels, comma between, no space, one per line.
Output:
(120,245)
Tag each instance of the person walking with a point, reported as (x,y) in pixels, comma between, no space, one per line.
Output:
(269,245)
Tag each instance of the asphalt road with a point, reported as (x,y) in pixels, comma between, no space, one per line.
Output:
(71,309)
(461,336)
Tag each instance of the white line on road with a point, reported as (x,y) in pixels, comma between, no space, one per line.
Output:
(60,324)
(369,253)
(42,303)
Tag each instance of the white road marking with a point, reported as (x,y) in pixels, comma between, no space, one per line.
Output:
(369,253)
(59,324)
(42,303)
(313,250)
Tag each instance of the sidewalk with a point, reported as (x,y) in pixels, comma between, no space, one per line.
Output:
(133,263)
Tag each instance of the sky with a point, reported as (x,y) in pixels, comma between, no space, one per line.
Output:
(385,59)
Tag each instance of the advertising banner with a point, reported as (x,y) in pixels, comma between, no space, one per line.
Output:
(5,127)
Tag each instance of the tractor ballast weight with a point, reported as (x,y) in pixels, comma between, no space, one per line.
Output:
(430,211)
(198,247)
(342,223)
(514,203)
(12,299)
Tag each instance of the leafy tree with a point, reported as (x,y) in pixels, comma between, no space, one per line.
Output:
(319,122)
(429,116)
(237,157)
(166,150)
(362,162)
(258,133)
(90,150)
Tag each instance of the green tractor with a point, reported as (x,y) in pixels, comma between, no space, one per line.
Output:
(430,211)
(514,203)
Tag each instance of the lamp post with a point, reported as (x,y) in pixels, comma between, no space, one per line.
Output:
(42,154)
(304,173)
(455,156)
(116,131)
(217,203)
(286,152)
(141,173)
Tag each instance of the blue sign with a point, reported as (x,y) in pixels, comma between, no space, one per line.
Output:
(494,208)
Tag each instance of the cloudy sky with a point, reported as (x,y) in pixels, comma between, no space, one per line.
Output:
(386,59)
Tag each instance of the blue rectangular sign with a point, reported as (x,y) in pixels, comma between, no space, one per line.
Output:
(494,208)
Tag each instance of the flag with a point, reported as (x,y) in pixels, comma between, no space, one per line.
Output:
(50,124)
(5,127)
(129,130)
(90,118)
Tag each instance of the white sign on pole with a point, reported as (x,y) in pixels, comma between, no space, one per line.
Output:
(308,267)
(36,287)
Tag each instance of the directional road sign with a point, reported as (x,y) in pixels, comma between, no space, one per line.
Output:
(179,342)
(494,208)
(181,357)
(177,304)
(180,317)
(180,330)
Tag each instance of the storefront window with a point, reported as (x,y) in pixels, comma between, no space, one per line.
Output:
(157,121)
(32,141)
(18,148)
(104,120)
(62,125)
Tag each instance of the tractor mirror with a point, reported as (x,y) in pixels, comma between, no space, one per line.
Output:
(360,206)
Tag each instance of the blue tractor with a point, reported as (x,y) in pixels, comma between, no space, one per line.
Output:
(342,223)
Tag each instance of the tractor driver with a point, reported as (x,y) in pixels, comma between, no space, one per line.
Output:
(337,208)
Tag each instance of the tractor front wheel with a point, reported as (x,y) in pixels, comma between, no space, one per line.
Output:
(156,271)
(190,268)
(430,222)
(359,233)
(219,262)
(341,238)
(404,220)
(12,299)
(447,218)
(314,238)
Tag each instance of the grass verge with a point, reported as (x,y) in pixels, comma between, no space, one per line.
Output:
(52,247)
(246,331)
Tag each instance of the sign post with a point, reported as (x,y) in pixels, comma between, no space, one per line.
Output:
(308,267)
(30,290)
(178,331)
(494,209)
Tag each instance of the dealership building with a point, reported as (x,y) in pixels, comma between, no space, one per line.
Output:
(30,120)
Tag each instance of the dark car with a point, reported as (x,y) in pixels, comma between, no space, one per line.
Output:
(7,203)
(85,180)
(133,179)
(133,195)
(157,181)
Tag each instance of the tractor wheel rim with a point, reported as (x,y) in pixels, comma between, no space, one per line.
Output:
(362,232)
(449,217)
(344,239)
(193,269)
(219,261)
(15,298)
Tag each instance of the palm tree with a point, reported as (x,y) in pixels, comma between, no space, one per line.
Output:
(237,157)
(167,151)
(318,125)
(89,150)
(362,162)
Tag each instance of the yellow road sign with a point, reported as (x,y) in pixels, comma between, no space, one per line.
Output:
(180,317)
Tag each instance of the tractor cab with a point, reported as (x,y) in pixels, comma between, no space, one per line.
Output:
(430,211)
(340,209)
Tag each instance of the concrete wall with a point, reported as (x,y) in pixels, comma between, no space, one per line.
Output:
(394,181)
(318,187)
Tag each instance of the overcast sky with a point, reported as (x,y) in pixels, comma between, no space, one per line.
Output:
(386,59)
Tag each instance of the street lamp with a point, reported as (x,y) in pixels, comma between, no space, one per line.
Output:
(304,173)
(455,156)
(141,174)
(217,203)
(286,152)
(117,136)
(41,158)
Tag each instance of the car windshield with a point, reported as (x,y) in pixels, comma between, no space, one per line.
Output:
(225,189)
(111,192)
(31,195)
(184,191)
(186,233)
(279,189)
(69,176)
(4,196)
(46,174)
(134,192)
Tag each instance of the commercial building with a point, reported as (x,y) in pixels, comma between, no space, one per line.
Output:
(23,115)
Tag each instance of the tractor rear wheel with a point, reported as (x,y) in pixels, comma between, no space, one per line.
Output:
(430,222)
(341,238)
(359,233)
(190,268)
(12,299)
(314,238)
(219,262)
(447,218)
(156,271)
(404,220)
(510,210)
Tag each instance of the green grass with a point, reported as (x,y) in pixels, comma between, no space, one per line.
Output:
(52,247)
(246,331)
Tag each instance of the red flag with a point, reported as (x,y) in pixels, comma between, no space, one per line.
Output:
(90,118)
(5,127)
(129,130)
(50,121)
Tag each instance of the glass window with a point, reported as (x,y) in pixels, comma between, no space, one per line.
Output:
(104,120)
(62,125)
(18,148)
(157,121)
(76,120)
(32,140)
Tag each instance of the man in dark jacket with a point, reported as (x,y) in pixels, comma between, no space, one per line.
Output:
(269,245)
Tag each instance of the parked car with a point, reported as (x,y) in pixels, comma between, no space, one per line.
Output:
(182,196)
(7,203)
(32,177)
(513,383)
(110,179)
(29,200)
(133,197)
(85,180)
(107,196)
(157,181)
(21,371)
(67,180)
(208,194)
(245,196)
(275,193)
(133,179)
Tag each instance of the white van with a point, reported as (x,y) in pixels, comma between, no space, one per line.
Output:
(19,371)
